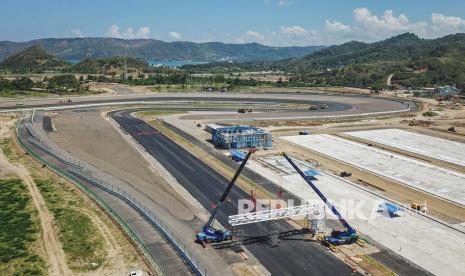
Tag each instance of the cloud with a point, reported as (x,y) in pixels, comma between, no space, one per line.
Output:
(129,33)
(370,27)
(365,26)
(143,32)
(113,31)
(336,26)
(77,33)
(388,24)
(447,24)
(250,36)
(284,2)
(174,35)
(280,2)
(294,30)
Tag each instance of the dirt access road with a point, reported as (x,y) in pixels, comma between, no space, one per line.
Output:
(51,244)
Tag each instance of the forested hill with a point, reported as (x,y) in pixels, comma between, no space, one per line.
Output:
(33,59)
(149,49)
(412,61)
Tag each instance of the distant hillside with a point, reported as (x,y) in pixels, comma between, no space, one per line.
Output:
(411,60)
(108,65)
(149,49)
(33,59)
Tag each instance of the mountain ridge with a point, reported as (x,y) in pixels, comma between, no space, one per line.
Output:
(414,61)
(151,49)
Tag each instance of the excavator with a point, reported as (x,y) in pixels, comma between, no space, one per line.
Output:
(209,234)
(337,237)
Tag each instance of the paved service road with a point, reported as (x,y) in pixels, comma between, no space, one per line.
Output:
(294,256)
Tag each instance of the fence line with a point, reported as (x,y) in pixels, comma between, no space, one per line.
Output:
(74,176)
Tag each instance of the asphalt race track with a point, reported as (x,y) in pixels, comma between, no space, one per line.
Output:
(294,256)
(338,105)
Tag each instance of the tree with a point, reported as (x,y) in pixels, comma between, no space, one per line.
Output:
(64,83)
(23,83)
(5,85)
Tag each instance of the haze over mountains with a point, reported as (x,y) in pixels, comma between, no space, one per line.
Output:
(150,49)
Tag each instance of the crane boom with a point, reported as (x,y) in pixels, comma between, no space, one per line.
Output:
(228,189)
(209,233)
(320,194)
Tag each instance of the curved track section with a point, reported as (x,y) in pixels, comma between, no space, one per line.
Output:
(338,105)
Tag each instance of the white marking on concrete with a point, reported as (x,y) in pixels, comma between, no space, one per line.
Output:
(436,181)
(425,242)
(441,149)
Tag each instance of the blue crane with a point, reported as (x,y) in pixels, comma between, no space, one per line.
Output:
(337,237)
(209,233)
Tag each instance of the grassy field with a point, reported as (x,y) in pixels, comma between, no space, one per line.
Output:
(18,231)
(5,145)
(82,242)
(25,94)
(157,112)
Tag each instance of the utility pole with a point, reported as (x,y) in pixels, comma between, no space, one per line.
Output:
(125,69)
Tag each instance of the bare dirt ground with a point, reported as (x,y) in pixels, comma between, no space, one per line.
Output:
(121,256)
(115,88)
(90,137)
(142,89)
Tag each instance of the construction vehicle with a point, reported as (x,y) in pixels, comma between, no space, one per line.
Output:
(337,237)
(345,174)
(209,234)
(243,110)
(313,107)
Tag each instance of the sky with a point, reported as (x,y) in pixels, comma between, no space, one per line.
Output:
(269,22)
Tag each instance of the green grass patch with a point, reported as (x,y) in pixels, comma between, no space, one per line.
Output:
(82,242)
(14,94)
(18,231)
(430,114)
(158,112)
(5,145)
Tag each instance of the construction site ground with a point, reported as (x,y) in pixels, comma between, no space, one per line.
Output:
(93,140)
(435,127)
(436,148)
(206,152)
(91,137)
(417,175)
(409,234)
